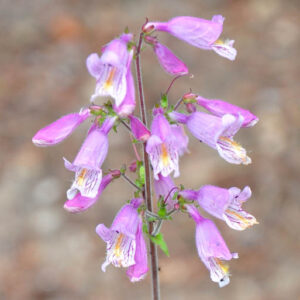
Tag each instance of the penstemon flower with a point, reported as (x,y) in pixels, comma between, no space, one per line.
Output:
(161,148)
(123,238)
(198,32)
(57,131)
(217,133)
(211,247)
(88,162)
(111,68)
(225,204)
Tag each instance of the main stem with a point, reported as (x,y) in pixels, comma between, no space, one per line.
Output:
(147,193)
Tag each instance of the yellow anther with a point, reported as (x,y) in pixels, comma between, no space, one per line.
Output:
(164,155)
(109,81)
(117,250)
(81,176)
(224,267)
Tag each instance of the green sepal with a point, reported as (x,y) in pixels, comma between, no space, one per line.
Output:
(164,101)
(159,241)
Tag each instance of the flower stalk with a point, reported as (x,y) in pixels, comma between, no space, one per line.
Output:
(147,190)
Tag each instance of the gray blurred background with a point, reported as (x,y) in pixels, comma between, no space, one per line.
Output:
(47,253)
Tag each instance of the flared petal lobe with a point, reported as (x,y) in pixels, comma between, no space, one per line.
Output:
(57,131)
(220,108)
(169,61)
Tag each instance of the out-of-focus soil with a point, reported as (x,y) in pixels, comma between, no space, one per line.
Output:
(46,253)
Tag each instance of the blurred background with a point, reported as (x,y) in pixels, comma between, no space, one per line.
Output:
(47,253)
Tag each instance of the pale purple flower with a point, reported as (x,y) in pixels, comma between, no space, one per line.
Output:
(139,270)
(88,162)
(60,129)
(81,203)
(165,187)
(220,108)
(163,147)
(169,61)
(225,204)
(217,133)
(211,247)
(139,130)
(125,244)
(198,32)
(111,68)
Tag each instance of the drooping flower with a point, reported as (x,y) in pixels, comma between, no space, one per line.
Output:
(217,133)
(163,147)
(139,130)
(88,162)
(225,204)
(198,32)
(111,68)
(169,61)
(211,247)
(81,203)
(125,243)
(165,187)
(220,108)
(60,129)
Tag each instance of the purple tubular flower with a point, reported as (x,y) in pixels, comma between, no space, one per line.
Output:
(139,130)
(217,133)
(81,203)
(88,162)
(111,68)
(225,204)
(220,108)
(162,147)
(121,237)
(139,270)
(165,187)
(198,32)
(57,131)
(169,61)
(211,247)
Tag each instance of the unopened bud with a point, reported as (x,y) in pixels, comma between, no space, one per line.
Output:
(115,173)
(190,107)
(133,166)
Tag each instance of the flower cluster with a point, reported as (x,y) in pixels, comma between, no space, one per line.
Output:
(164,143)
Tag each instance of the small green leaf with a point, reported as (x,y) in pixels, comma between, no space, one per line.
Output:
(159,241)
(164,101)
(142,174)
(145,228)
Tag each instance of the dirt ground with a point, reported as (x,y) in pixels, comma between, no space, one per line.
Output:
(47,253)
